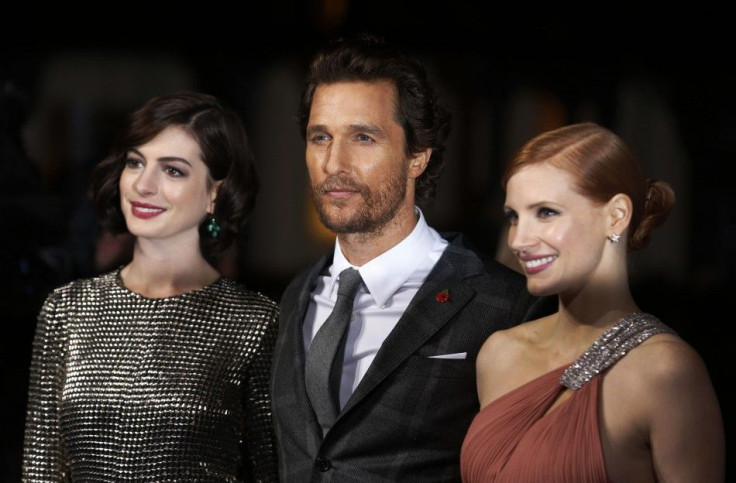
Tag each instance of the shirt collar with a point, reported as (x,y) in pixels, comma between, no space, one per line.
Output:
(388,272)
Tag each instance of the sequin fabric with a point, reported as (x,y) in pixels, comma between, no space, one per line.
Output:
(127,388)
(612,345)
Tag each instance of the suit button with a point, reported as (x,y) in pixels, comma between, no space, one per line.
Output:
(322,464)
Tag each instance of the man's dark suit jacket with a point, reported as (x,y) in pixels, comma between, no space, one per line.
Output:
(408,416)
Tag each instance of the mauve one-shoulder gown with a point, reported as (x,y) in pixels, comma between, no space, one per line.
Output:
(518,438)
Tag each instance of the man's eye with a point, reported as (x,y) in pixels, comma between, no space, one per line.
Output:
(318,138)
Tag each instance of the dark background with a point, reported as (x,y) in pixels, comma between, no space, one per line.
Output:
(662,81)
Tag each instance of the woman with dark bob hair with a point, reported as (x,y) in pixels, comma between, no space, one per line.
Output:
(159,369)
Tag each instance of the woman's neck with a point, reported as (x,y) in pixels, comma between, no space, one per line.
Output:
(157,273)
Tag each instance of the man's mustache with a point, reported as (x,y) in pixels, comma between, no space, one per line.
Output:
(338,182)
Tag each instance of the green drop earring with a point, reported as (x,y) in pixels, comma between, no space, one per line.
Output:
(213,228)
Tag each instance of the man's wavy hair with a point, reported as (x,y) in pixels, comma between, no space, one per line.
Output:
(368,58)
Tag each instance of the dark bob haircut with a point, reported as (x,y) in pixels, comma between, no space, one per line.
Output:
(225,150)
(367,58)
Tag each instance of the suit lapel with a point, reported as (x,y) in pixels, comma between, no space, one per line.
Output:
(293,318)
(423,318)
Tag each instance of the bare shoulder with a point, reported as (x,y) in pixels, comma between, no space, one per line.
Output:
(659,403)
(508,345)
(662,372)
(503,360)
(665,359)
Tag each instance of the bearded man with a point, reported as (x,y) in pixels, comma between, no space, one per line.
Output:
(394,400)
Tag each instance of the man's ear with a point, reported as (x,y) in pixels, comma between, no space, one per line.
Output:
(419,163)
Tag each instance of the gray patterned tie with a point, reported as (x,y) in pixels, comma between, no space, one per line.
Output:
(323,364)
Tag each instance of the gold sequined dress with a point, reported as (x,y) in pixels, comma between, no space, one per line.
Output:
(516,438)
(128,388)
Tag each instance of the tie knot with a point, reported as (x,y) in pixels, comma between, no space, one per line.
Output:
(349,282)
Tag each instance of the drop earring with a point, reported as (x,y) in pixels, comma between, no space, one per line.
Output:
(213,228)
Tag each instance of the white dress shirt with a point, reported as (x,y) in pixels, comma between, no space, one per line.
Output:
(390,281)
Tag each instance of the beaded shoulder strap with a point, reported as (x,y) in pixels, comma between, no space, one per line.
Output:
(612,345)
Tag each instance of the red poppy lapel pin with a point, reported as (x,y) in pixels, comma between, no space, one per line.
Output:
(443,296)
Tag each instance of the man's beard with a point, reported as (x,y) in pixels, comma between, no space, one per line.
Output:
(378,208)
